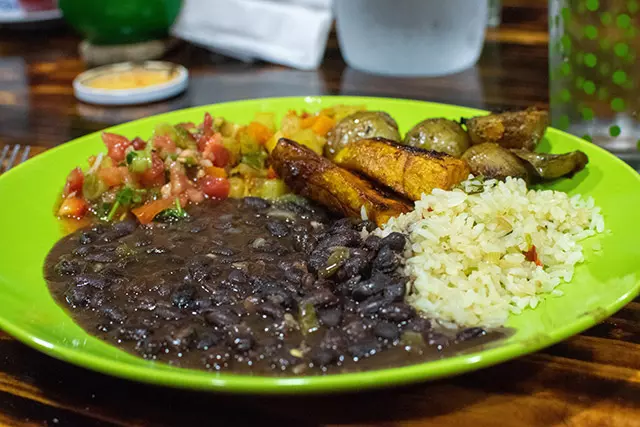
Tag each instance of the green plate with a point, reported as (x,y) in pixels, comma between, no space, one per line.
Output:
(606,282)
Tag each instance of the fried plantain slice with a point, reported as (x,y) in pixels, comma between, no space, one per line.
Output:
(315,177)
(409,171)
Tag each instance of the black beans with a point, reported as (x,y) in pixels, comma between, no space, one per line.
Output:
(367,288)
(79,296)
(133,333)
(365,348)
(437,340)
(323,357)
(256,203)
(222,251)
(397,312)
(207,339)
(103,257)
(396,290)
(320,297)
(330,316)
(386,261)
(94,281)
(114,314)
(241,338)
(277,228)
(183,296)
(222,317)
(246,285)
(69,267)
(469,333)
(371,306)
(372,243)
(387,330)
(87,237)
(270,309)
(395,241)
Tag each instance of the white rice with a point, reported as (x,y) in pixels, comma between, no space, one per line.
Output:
(466,257)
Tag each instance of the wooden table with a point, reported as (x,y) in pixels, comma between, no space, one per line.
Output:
(592,379)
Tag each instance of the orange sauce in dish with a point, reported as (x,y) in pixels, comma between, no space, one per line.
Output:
(130,79)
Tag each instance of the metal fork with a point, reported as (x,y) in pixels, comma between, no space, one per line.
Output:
(13,158)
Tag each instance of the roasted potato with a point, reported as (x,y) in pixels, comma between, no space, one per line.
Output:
(407,170)
(360,125)
(492,161)
(313,176)
(443,135)
(520,129)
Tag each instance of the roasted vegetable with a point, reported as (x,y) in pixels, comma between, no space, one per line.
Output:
(492,161)
(313,176)
(408,170)
(360,125)
(520,129)
(553,166)
(443,135)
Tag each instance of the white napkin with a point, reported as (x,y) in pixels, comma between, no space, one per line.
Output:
(288,32)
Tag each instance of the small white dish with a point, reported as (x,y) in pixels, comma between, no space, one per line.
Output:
(178,78)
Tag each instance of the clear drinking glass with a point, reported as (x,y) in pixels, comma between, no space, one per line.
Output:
(595,71)
(411,37)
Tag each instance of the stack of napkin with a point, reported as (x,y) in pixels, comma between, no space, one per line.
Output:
(288,32)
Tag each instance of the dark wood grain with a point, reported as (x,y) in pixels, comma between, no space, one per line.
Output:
(592,379)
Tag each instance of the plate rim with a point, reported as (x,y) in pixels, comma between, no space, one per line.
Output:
(246,384)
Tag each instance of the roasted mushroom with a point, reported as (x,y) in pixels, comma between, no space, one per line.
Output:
(519,129)
(552,166)
(492,161)
(360,125)
(443,135)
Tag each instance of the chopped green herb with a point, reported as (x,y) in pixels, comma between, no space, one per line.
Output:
(130,156)
(172,214)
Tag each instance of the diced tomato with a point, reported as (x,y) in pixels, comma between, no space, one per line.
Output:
(323,125)
(221,155)
(73,207)
(154,176)
(207,124)
(164,144)
(216,172)
(271,173)
(303,115)
(116,145)
(215,188)
(138,143)
(75,179)
(147,212)
(213,150)
(532,255)
(112,176)
(259,132)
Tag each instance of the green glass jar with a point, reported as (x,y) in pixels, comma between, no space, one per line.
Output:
(110,22)
(594,72)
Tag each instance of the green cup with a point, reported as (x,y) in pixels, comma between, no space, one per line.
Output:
(109,22)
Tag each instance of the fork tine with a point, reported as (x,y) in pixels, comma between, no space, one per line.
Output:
(25,154)
(3,155)
(12,158)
